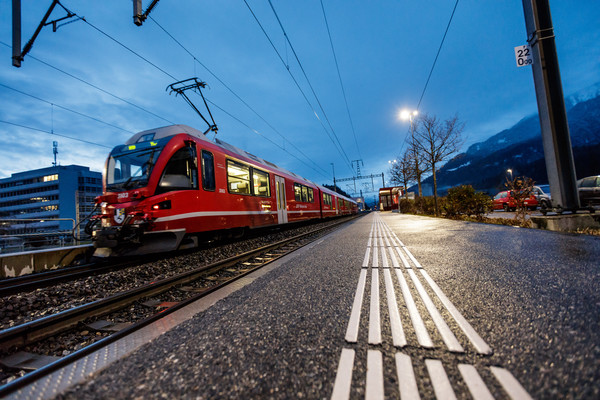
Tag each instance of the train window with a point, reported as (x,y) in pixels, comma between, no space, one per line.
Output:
(146,138)
(238,177)
(261,183)
(208,171)
(181,172)
(304,193)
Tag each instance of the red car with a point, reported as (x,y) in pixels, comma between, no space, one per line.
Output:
(504,200)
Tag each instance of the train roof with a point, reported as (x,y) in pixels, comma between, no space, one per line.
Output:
(172,130)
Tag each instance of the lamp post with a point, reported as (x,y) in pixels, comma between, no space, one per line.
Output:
(510,172)
(391,191)
(409,115)
(334,185)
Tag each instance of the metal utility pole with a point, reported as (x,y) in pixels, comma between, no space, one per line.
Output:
(138,16)
(551,105)
(359,178)
(16,42)
(55,151)
(358,164)
(18,54)
(334,184)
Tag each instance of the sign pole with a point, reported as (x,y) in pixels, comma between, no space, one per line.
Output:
(551,105)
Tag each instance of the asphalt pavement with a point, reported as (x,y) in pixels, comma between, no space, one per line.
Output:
(531,297)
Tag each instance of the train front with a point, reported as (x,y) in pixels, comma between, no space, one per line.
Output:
(128,203)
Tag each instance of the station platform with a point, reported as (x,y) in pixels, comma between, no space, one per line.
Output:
(356,314)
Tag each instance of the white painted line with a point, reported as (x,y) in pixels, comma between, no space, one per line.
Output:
(406,378)
(476,385)
(439,380)
(412,258)
(374,388)
(374,319)
(365,263)
(420,330)
(404,260)
(398,239)
(369,243)
(480,345)
(384,257)
(352,331)
(375,257)
(387,242)
(381,242)
(398,337)
(393,257)
(447,335)
(343,378)
(510,384)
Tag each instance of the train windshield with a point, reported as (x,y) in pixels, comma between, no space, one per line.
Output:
(130,166)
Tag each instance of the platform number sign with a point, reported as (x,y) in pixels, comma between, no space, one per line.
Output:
(523,55)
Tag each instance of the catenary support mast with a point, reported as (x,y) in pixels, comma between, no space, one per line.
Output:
(551,105)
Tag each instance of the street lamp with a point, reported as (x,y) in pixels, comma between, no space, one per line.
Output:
(409,115)
(406,114)
(510,172)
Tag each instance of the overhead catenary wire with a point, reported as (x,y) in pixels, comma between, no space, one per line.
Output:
(337,67)
(264,137)
(309,83)
(66,108)
(240,99)
(156,67)
(94,86)
(437,55)
(295,81)
(148,61)
(54,134)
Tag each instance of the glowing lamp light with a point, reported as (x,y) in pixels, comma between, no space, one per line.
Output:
(406,114)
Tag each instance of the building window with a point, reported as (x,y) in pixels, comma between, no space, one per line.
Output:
(49,178)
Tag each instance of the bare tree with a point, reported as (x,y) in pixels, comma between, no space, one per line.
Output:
(402,171)
(418,161)
(436,141)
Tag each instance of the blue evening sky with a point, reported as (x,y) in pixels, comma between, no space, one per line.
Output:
(385,50)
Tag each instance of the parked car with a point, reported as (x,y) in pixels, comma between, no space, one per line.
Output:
(505,200)
(589,191)
(543,197)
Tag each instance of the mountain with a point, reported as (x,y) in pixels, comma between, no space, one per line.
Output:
(520,148)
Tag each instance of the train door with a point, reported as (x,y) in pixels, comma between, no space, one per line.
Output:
(281,203)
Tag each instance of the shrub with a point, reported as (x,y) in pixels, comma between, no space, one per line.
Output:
(463,200)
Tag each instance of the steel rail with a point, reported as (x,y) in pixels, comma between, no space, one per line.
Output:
(41,328)
(185,277)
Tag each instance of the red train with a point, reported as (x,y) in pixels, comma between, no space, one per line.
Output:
(167,187)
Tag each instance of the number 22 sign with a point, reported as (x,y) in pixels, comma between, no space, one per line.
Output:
(523,55)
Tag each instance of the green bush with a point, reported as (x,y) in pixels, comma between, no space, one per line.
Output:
(463,200)
(408,206)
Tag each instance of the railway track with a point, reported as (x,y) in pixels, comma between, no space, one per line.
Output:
(193,284)
(27,283)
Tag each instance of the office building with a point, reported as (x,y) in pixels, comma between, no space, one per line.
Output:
(47,200)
